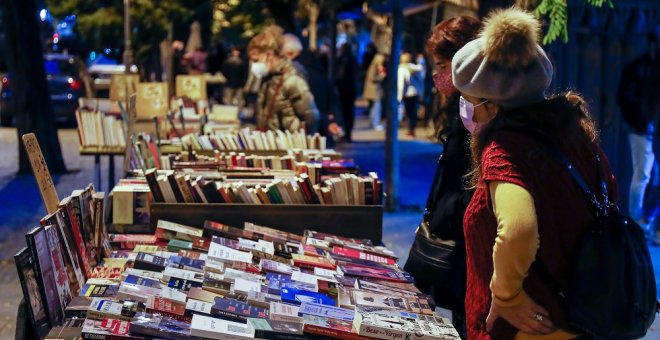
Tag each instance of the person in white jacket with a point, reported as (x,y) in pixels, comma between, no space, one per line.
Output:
(410,87)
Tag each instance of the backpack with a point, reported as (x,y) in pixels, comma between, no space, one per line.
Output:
(612,291)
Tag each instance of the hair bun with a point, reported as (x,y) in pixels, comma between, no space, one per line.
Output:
(510,38)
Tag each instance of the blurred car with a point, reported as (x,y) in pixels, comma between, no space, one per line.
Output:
(67,79)
(102,74)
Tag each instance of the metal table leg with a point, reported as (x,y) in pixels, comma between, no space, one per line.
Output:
(97,172)
(111,172)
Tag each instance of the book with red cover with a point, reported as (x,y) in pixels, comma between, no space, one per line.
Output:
(71,223)
(362,255)
(312,262)
(376,273)
(330,327)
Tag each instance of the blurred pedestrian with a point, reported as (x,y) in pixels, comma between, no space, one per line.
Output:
(308,65)
(178,66)
(235,71)
(284,102)
(639,99)
(346,78)
(196,61)
(373,90)
(409,88)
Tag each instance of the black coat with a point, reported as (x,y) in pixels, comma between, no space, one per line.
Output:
(639,92)
(449,197)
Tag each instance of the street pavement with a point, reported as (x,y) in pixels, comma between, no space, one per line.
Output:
(21,206)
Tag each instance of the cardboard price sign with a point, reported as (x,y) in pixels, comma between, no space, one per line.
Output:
(41,172)
(151,100)
(121,83)
(193,87)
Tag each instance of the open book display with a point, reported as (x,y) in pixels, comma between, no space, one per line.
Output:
(214,281)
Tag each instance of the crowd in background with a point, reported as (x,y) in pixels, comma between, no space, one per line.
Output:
(334,96)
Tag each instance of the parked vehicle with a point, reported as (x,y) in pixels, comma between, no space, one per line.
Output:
(67,79)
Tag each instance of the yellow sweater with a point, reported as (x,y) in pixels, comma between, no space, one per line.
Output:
(515,247)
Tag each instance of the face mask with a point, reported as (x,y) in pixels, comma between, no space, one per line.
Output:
(466,111)
(259,69)
(442,82)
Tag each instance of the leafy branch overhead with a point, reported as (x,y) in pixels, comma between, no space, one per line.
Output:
(557,12)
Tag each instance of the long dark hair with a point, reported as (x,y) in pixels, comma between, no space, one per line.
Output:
(563,119)
(445,40)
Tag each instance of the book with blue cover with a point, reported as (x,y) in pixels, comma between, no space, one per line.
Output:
(297,296)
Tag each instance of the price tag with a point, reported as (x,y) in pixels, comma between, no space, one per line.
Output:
(152,100)
(193,87)
(41,172)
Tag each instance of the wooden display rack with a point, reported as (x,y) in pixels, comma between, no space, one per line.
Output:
(357,221)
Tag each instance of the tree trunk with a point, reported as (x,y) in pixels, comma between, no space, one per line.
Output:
(30,102)
(391,136)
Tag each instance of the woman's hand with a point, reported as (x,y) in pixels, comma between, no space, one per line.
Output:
(526,316)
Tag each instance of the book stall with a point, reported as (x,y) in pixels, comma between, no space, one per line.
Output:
(219,240)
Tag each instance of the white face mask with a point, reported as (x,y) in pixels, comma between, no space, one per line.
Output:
(259,69)
(466,110)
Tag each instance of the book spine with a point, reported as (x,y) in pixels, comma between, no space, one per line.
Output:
(313,329)
(153,186)
(175,188)
(272,335)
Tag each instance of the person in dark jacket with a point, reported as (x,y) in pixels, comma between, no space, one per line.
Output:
(638,95)
(308,65)
(285,101)
(449,197)
(346,79)
(235,71)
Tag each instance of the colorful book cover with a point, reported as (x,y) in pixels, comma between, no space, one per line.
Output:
(43,267)
(376,273)
(60,271)
(31,292)
(297,296)
(105,328)
(379,300)
(392,327)
(186,263)
(159,326)
(143,281)
(330,327)
(92,290)
(326,311)
(70,222)
(357,254)
(312,261)
(236,310)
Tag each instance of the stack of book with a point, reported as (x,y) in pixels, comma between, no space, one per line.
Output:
(246,139)
(223,282)
(96,128)
(345,189)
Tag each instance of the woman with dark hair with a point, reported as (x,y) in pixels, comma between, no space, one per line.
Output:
(527,214)
(443,218)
